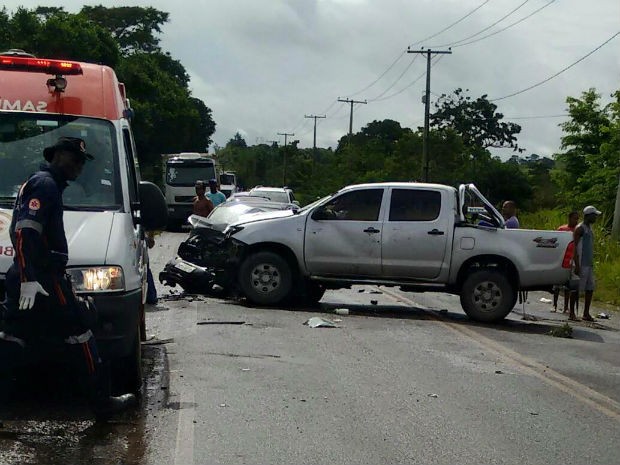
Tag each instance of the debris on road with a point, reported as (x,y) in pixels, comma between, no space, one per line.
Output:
(376,292)
(360,290)
(544,300)
(374,302)
(433,395)
(341,311)
(603,316)
(316,322)
(245,369)
(562,331)
(157,342)
(499,372)
(214,322)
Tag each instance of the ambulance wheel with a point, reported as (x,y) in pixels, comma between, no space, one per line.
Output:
(127,375)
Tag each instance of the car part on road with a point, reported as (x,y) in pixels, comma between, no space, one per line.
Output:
(487,296)
(192,278)
(207,322)
(266,278)
(316,322)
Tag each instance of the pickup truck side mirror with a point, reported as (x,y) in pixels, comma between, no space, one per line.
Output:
(322,213)
(153,208)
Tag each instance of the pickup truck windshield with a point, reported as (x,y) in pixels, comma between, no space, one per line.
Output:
(23,137)
(186,174)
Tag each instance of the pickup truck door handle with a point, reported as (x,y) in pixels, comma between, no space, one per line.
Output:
(371,230)
(436,232)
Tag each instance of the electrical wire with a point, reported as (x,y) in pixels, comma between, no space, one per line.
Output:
(507,27)
(396,81)
(411,83)
(486,28)
(403,53)
(451,25)
(559,72)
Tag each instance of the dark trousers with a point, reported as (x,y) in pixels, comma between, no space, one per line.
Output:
(56,329)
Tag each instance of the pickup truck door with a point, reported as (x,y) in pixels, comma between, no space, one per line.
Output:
(343,236)
(415,233)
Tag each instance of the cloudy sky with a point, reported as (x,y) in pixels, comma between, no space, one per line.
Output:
(261,65)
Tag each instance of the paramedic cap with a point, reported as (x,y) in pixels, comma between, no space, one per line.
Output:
(589,210)
(72,144)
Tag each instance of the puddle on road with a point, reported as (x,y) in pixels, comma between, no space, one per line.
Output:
(62,431)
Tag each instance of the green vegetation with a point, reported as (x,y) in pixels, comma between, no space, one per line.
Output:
(562,331)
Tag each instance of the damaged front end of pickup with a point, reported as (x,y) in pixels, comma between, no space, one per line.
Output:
(206,263)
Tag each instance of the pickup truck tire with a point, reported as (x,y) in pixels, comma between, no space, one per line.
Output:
(487,296)
(265,278)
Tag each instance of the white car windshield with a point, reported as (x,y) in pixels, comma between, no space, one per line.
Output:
(274,196)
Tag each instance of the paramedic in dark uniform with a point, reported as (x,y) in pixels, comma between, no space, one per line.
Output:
(43,315)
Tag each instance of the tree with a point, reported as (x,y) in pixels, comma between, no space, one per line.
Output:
(588,168)
(476,121)
(133,27)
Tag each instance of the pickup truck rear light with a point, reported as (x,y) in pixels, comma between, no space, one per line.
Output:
(40,65)
(569,253)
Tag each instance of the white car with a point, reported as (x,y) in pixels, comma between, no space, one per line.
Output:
(275,194)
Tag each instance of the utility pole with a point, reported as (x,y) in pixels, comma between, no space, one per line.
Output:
(427,102)
(285,134)
(615,226)
(346,100)
(315,117)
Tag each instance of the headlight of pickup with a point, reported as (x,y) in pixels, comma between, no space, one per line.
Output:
(231,230)
(97,279)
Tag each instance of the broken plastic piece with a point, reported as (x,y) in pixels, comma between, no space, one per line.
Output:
(603,316)
(316,322)
(544,300)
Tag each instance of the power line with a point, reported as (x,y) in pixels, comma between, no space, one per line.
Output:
(559,72)
(402,54)
(488,27)
(507,27)
(409,84)
(395,82)
(451,25)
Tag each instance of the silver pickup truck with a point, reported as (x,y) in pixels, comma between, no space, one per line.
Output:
(420,237)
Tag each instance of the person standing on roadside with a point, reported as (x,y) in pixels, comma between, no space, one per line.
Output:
(202,205)
(214,194)
(509,212)
(584,261)
(573,219)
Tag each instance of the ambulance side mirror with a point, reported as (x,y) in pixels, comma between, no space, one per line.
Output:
(153,208)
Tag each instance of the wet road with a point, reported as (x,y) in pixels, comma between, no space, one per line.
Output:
(405,378)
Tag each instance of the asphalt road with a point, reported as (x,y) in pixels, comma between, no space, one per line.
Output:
(408,380)
(404,378)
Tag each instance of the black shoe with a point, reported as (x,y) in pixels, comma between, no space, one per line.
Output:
(109,406)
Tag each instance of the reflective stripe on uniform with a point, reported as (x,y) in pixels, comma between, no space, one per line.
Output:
(21,224)
(7,337)
(80,339)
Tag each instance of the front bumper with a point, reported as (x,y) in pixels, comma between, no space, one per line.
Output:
(118,322)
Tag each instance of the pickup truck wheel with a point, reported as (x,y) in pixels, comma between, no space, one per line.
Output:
(265,278)
(487,296)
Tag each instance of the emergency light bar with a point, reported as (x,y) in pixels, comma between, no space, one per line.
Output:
(39,65)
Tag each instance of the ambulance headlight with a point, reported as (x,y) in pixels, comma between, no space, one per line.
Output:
(97,279)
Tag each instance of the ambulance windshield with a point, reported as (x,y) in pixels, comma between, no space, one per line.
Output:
(22,140)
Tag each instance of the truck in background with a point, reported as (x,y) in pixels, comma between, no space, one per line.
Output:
(107,209)
(181,171)
(228,183)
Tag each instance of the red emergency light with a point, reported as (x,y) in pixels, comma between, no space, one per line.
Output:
(39,65)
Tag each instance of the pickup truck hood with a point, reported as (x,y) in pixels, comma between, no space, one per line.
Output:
(255,217)
(87,233)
